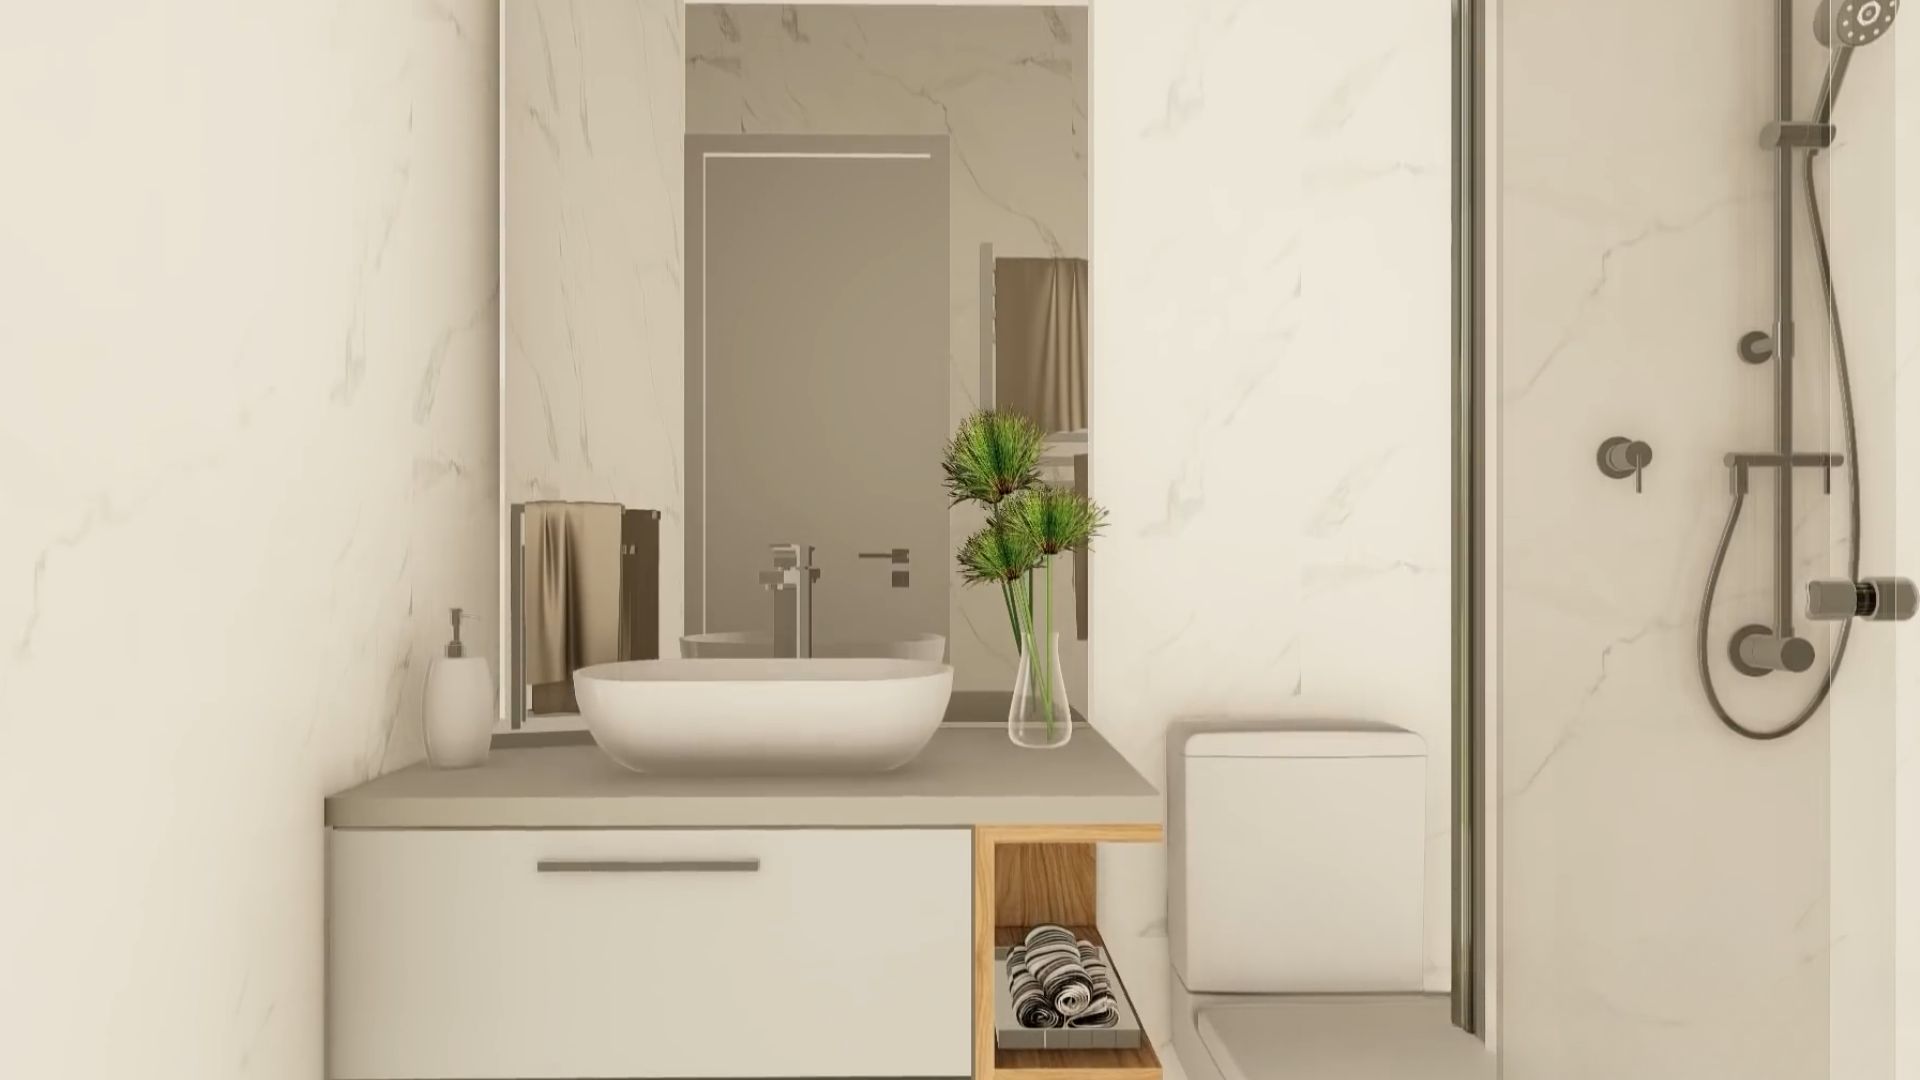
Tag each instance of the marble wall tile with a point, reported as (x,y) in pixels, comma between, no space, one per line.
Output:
(1008,86)
(1905,743)
(1270,416)
(1874,848)
(595,131)
(1677,901)
(248,394)
(1860,180)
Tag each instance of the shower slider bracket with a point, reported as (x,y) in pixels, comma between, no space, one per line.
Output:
(1797,135)
(1739,466)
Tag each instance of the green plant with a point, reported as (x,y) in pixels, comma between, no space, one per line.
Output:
(1051,520)
(1002,556)
(997,554)
(993,460)
(1054,519)
(992,455)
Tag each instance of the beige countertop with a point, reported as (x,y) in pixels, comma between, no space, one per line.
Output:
(966,776)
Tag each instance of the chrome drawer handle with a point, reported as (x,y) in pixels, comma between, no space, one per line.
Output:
(617,866)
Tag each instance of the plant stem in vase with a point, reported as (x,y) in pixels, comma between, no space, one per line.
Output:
(1039,716)
(993,460)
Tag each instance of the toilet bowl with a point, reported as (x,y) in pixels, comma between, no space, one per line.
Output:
(1296,879)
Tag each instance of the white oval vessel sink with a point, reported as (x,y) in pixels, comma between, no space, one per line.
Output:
(763,716)
(749,645)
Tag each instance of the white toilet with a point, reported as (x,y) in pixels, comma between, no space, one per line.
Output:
(1296,885)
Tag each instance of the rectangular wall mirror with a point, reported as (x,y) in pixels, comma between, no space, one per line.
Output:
(880,215)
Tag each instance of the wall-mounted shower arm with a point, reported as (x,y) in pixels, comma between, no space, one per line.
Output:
(1843,26)
(1758,650)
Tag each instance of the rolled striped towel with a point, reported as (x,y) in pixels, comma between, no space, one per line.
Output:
(1030,1004)
(1052,955)
(1101,1011)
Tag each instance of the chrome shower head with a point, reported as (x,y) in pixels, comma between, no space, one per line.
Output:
(1853,23)
(1843,26)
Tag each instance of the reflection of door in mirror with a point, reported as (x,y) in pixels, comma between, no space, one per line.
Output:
(817,379)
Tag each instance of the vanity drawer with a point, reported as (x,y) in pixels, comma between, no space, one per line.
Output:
(641,953)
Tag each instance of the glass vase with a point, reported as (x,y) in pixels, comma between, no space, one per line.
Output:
(1040,717)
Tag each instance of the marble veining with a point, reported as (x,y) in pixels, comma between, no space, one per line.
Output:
(1270,242)
(1674,897)
(248,429)
(1901,810)
(594,124)
(1008,86)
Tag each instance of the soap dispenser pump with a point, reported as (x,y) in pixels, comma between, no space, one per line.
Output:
(454,648)
(459,706)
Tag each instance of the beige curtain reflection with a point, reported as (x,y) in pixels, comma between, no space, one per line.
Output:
(571,595)
(1040,340)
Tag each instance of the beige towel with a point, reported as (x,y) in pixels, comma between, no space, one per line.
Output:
(1040,340)
(571,595)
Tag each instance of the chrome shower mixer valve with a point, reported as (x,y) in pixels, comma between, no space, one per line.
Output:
(1885,599)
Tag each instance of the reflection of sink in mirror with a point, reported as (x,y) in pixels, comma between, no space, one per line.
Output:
(764,716)
(931,648)
(852,283)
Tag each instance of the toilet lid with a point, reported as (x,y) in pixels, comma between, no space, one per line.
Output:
(1399,1038)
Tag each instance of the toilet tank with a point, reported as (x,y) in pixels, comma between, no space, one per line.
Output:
(1297,857)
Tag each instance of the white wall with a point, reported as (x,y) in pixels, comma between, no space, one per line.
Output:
(595,188)
(1862,763)
(1271,411)
(1679,902)
(1875,830)
(247,429)
(1905,1013)
(1008,86)
(1270,236)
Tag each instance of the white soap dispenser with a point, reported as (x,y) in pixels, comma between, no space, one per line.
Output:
(459,721)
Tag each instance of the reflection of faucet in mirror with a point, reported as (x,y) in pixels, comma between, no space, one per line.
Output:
(837,322)
(791,582)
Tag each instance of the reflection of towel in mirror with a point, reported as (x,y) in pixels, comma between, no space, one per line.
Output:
(1040,341)
(571,592)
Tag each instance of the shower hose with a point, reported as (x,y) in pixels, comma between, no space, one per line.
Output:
(1852,439)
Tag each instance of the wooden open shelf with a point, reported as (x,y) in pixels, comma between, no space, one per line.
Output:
(1140,1064)
(1024,875)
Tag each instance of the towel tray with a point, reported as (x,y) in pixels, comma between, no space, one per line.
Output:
(1009,1035)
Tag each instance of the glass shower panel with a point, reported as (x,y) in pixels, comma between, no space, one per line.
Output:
(1872,214)
(1695,881)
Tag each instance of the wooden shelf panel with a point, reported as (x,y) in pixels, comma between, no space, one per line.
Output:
(1005,936)
(1139,1064)
(1043,883)
(1027,874)
(1136,833)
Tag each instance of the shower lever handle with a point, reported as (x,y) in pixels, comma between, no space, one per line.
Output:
(1621,457)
